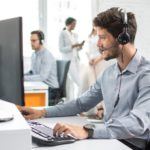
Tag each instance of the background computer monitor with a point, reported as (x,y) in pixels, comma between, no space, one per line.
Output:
(11,61)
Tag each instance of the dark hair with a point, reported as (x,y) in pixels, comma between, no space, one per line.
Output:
(69,21)
(40,35)
(113,21)
(91,32)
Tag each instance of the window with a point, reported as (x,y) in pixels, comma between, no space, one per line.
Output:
(28,10)
(58,11)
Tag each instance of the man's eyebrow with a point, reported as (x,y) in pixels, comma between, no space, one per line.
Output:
(103,35)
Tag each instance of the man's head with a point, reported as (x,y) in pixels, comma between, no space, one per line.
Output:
(70,23)
(115,29)
(37,38)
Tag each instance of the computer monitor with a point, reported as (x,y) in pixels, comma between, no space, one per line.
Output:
(11,61)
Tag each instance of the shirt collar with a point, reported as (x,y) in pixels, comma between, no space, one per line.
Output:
(39,51)
(133,64)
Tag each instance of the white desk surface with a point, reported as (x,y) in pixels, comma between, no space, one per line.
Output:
(34,85)
(89,144)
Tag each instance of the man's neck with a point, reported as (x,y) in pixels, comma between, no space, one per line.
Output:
(40,48)
(126,55)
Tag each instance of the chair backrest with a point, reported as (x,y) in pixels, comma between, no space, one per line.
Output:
(62,71)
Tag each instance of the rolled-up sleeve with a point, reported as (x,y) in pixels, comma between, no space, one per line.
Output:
(85,102)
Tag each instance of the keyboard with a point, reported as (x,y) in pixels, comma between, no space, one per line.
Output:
(43,135)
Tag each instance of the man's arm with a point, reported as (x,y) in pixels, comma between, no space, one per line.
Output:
(85,102)
(33,77)
(88,100)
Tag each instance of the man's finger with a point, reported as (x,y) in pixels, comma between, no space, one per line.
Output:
(28,117)
(56,128)
(62,129)
(69,133)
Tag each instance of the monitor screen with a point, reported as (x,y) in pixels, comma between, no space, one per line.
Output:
(11,61)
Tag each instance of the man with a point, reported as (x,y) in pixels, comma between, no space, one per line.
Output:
(124,87)
(43,63)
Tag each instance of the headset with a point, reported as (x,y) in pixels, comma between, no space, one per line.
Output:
(41,36)
(124,37)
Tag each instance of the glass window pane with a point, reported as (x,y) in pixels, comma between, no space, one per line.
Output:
(28,9)
(58,11)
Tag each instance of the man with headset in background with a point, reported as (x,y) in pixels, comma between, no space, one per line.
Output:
(43,64)
(124,87)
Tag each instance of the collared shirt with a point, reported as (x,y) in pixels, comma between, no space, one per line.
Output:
(43,68)
(126,97)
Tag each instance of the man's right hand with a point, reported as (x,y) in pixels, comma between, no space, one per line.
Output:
(30,113)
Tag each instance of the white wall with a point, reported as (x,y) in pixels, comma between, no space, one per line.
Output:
(141,8)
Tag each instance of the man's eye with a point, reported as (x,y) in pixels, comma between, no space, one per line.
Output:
(103,37)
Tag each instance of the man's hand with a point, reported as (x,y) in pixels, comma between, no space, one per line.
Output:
(77,132)
(30,113)
(100,111)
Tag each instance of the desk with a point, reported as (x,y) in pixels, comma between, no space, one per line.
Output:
(36,94)
(14,134)
(92,144)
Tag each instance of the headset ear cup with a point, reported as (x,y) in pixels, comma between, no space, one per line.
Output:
(41,37)
(42,41)
(123,38)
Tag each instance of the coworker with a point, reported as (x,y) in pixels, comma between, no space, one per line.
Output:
(124,87)
(43,65)
(69,47)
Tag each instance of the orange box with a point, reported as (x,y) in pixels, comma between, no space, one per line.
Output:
(35,99)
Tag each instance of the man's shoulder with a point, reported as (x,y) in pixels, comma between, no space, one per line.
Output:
(47,53)
(108,71)
(110,68)
(144,66)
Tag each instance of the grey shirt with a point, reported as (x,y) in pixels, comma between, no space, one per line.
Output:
(126,97)
(43,68)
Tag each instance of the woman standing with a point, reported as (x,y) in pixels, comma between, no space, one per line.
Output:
(69,47)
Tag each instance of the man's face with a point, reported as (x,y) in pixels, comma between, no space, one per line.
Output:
(108,46)
(35,42)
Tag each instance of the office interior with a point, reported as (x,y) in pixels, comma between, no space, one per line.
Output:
(49,17)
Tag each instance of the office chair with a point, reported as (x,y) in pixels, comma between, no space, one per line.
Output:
(148,146)
(56,95)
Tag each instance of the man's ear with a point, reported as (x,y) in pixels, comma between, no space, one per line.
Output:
(120,46)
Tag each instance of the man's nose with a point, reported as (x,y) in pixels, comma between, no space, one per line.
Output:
(99,43)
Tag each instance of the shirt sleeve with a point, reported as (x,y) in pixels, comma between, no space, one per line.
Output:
(29,77)
(136,123)
(85,102)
